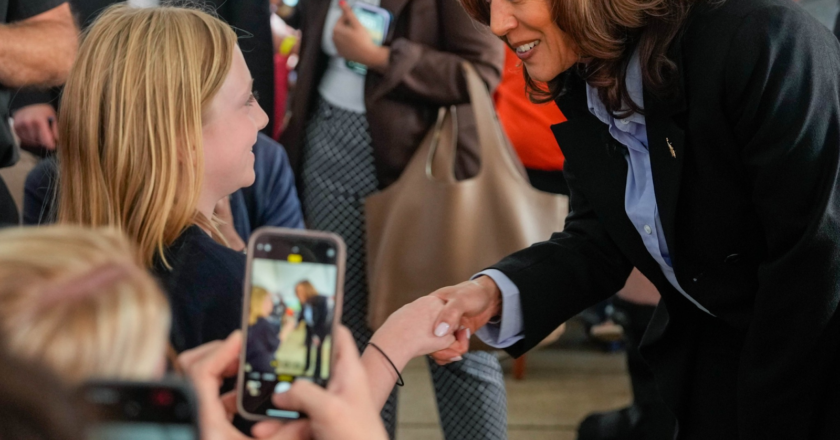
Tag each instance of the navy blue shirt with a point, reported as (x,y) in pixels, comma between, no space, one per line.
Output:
(204,287)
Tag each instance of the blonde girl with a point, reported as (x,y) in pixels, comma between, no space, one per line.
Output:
(158,125)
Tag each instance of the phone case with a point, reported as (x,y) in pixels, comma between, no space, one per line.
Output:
(385,15)
(341,253)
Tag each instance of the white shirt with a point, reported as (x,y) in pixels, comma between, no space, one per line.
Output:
(340,86)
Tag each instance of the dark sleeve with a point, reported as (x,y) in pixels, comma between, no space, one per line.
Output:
(26,97)
(434,76)
(273,200)
(782,88)
(20,10)
(560,277)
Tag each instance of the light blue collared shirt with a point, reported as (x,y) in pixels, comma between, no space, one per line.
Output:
(639,203)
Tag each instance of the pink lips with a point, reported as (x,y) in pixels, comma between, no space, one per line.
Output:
(525,56)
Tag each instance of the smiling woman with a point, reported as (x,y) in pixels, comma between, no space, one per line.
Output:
(602,33)
(702,148)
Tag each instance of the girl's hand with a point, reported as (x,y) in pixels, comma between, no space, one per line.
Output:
(408,332)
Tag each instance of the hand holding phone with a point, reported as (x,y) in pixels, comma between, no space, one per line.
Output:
(207,366)
(359,34)
(291,275)
(345,410)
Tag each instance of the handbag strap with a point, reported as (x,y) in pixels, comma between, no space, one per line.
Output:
(434,160)
(495,151)
(440,162)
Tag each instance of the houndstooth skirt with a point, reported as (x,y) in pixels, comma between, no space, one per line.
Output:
(337,174)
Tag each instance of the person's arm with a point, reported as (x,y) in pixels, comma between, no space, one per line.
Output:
(38,50)
(416,72)
(406,334)
(556,279)
(782,85)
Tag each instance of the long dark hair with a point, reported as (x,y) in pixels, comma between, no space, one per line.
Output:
(608,32)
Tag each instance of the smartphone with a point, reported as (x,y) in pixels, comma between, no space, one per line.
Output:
(376,20)
(164,410)
(293,295)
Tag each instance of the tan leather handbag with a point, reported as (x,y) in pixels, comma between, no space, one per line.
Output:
(428,231)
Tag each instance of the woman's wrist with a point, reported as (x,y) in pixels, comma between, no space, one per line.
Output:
(378,59)
(493,292)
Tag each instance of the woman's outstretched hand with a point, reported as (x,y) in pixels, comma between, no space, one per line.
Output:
(468,305)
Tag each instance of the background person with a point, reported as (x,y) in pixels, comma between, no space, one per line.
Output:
(25,412)
(687,188)
(37,44)
(75,301)
(351,134)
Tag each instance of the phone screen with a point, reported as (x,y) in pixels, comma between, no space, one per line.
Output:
(140,411)
(291,304)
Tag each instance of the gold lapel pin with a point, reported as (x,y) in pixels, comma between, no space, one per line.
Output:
(671,147)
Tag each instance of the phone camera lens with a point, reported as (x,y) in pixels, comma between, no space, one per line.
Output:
(267,248)
(330,253)
(259,246)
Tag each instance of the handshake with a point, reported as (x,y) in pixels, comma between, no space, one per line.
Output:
(439,324)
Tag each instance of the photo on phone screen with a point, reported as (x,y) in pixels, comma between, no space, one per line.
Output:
(292,299)
(140,411)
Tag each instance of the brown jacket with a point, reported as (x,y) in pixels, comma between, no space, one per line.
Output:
(429,39)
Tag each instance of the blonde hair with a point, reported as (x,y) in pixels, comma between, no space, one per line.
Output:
(309,291)
(258,297)
(131,123)
(77,300)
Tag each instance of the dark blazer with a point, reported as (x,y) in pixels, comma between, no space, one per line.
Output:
(749,208)
(321,318)
(429,39)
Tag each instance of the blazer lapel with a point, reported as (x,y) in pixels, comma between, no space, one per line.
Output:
(666,145)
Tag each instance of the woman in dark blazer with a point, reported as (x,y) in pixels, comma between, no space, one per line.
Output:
(702,148)
(353,132)
(315,313)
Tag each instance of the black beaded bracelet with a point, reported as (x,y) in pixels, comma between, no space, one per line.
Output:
(400,382)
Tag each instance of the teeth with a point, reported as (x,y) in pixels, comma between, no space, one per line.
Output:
(526,47)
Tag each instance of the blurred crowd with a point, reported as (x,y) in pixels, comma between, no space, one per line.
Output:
(142,144)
